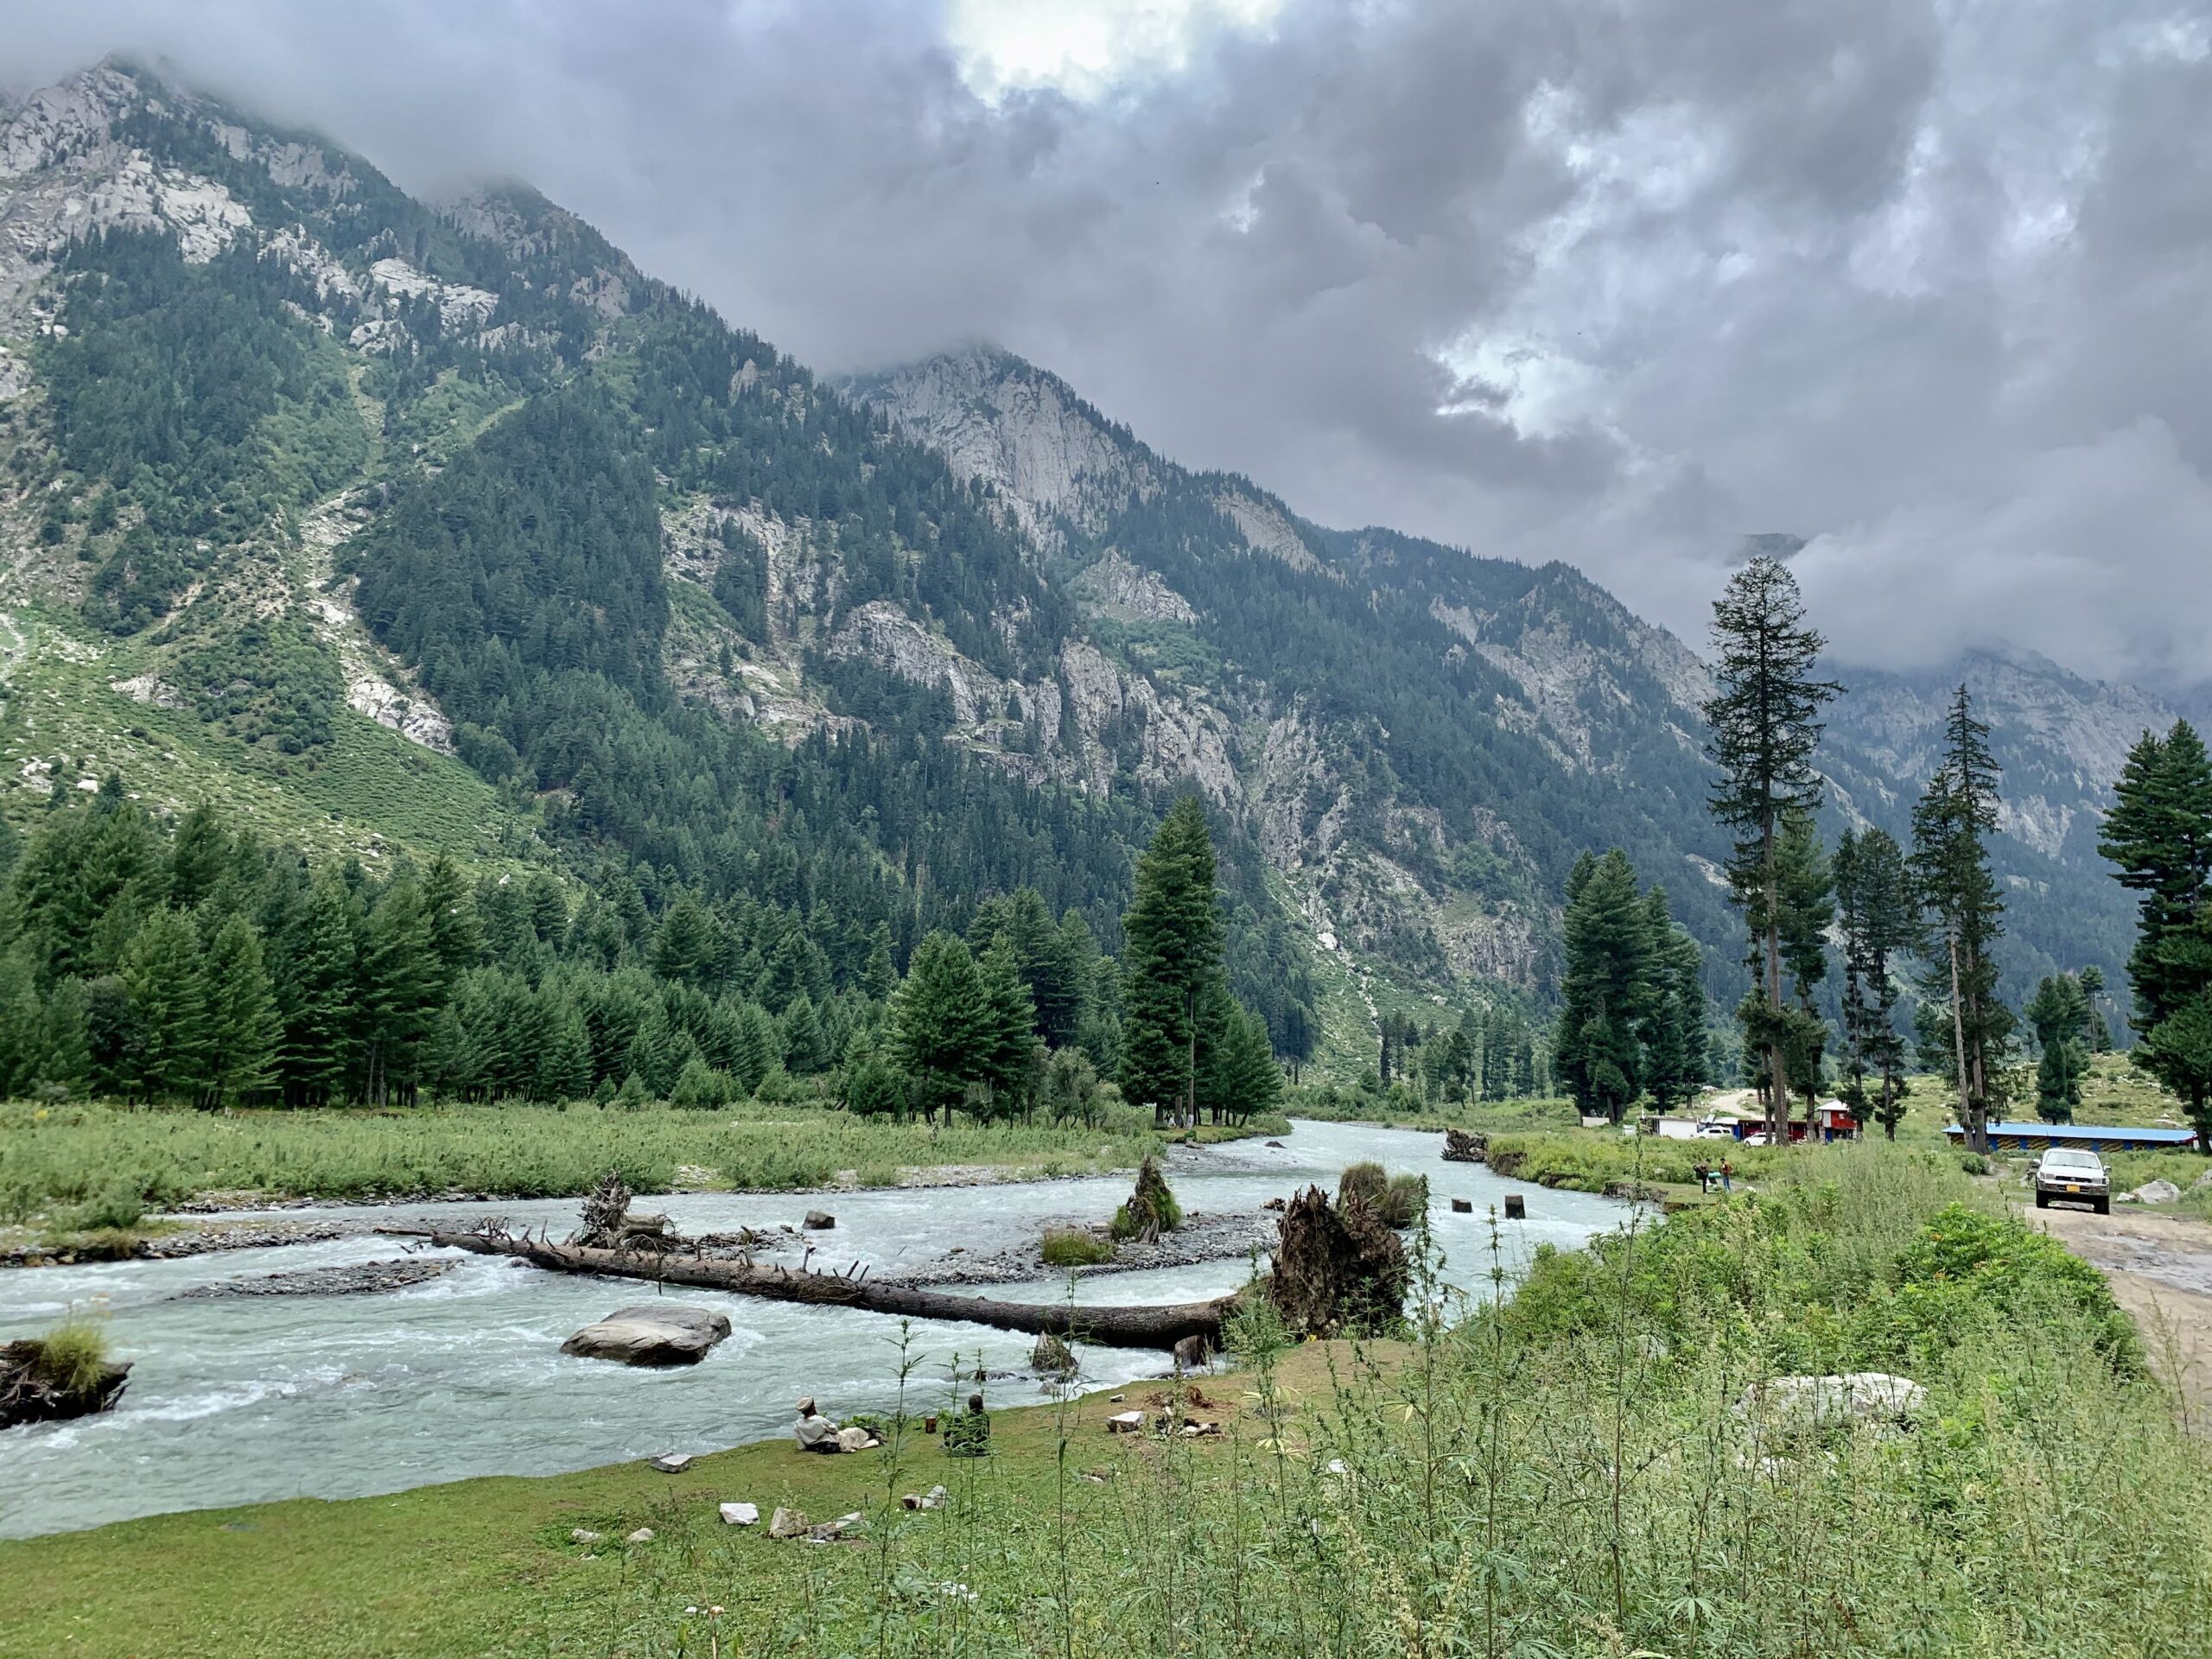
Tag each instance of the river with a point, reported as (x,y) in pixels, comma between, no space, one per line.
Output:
(248,1399)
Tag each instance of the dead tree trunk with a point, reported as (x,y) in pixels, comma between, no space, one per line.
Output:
(1111,1327)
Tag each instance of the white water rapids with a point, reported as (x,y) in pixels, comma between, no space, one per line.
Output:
(248,1399)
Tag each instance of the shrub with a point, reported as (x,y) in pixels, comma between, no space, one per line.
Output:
(1075,1247)
(116,1204)
(1974,1163)
(700,1088)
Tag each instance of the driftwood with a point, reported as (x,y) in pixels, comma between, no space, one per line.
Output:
(1112,1327)
(28,1394)
(1462,1147)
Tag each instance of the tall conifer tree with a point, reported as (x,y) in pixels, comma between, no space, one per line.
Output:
(1172,951)
(1879,918)
(1951,825)
(2159,834)
(1765,719)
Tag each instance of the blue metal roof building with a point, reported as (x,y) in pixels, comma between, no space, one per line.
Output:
(2094,1137)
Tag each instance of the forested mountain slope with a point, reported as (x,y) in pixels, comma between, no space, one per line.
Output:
(1593,712)
(402,530)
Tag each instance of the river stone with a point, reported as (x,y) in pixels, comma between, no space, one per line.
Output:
(2160,1191)
(1802,1402)
(651,1334)
(787,1523)
(1125,1422)
(740,1514)
(818,1221)
(674,1464)
(642,1535)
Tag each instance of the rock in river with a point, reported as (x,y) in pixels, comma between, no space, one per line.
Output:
(653,1334)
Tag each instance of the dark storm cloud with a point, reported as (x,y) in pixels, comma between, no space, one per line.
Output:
(1927,283)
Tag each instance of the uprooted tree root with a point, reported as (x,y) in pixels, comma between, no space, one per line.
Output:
(32,1392)
(1338,1272)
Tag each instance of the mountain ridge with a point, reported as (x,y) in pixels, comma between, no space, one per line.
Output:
(798,595)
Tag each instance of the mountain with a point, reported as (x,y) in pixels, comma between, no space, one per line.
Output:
(404,529)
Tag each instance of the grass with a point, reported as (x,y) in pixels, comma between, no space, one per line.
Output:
(373,793)
(1074,1247)
(72,1355)
(85,1167)
(1572,1477)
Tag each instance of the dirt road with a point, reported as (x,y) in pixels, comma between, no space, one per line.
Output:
(2160,1266)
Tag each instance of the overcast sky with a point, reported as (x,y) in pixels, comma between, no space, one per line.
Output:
(1930,285)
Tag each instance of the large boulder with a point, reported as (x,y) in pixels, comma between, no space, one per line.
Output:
(2159,1192)
(653,1334)
(1796,1404)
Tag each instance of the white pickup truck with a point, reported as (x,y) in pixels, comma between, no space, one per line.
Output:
(2068,1175)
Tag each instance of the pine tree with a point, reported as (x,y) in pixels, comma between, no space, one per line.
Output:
(879,977)
(805,1050)
(456,935)
(167,1059)
(243,1026)
(1258,1085)
(941,1029)
(1172,936)
(1607,992)
(2094,1032)
(1764,716)
(686,948)
(2159,834)
(1950,861)
(1675,1028)
(2058,1011)
(1008,1044)
(316,996)
(756,1048)
(199,857)
(1879,918)
(400,987)
(564,1068)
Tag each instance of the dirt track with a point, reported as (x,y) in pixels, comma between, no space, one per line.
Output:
(2160,1266)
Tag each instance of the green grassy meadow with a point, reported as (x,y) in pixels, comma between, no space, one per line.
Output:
(58,1158)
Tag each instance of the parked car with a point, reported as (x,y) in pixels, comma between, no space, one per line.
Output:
(1757,1138)
(1713,1129)
(2071,1176)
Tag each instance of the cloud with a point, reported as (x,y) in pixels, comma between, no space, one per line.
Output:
(1925,283)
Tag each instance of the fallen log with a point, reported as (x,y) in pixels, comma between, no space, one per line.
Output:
(1111,1327)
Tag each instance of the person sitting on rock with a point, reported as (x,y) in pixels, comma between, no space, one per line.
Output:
(814,1431)
(967,1434)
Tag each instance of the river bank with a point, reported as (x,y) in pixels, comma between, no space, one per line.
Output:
(1351,1497)
(94,1182)
(463,1375)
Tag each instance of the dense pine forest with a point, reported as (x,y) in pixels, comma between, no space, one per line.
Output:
(193,964)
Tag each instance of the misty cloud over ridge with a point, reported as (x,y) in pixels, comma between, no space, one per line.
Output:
(1930,285)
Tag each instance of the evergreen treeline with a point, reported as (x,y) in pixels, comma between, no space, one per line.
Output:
(193,964)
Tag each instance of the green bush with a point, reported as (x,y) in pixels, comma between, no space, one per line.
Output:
(116,1204)
(699,1087)
(1075,1247)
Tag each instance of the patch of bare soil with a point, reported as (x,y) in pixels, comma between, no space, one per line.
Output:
(2160,1269)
